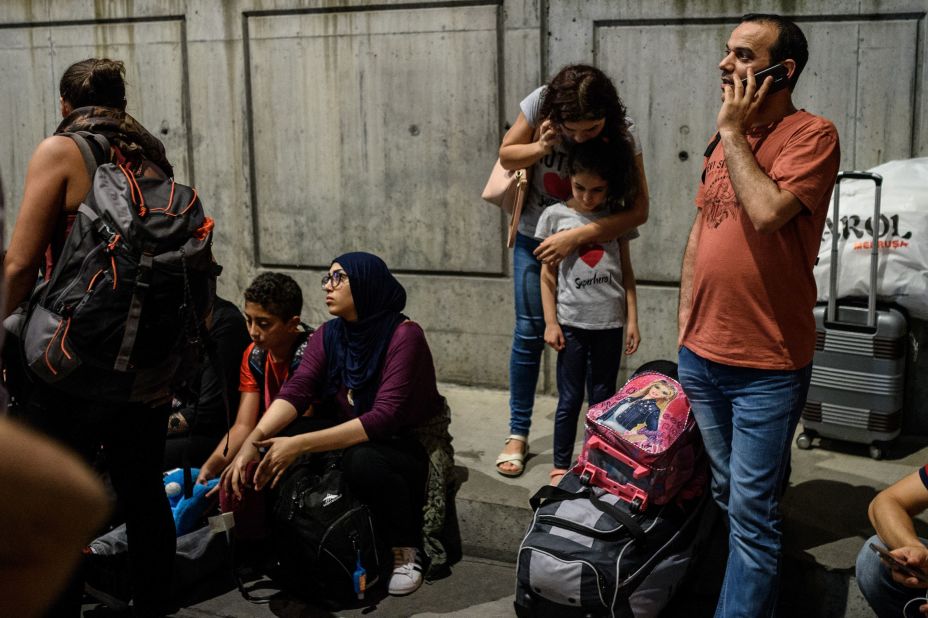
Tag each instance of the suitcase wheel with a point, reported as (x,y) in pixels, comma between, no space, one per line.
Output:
(804,441)
(585,477)
(876,451)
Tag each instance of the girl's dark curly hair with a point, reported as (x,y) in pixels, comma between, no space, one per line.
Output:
(583,92)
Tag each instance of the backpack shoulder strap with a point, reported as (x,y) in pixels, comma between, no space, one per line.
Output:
(94,149)
(708,153)
(300,347)
(256,363)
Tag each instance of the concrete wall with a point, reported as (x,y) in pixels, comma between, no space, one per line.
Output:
(315,127)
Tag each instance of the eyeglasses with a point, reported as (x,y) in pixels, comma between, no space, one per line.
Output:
(335,278)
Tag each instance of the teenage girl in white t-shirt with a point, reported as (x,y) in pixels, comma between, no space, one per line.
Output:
(579,104)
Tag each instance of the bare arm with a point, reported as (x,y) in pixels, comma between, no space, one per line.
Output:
(891,514)
(558,246)
(632,334)
(892,510)
(554,336)
(283,451)
(685,305)
(53,166)
(519,148)
(278,415)
(766,205)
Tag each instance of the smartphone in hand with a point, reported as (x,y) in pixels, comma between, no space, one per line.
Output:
(897,565)
(779,74)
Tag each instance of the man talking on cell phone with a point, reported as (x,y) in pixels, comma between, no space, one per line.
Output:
(888,589)
(746,330)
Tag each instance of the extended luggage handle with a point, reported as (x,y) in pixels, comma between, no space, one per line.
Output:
(832,313)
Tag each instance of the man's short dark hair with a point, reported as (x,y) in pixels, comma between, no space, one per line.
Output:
(278,293)
(791,42)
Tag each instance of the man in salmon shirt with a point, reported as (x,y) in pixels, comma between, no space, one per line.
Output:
(747,334)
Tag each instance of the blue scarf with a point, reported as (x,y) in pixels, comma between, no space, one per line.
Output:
(355,351)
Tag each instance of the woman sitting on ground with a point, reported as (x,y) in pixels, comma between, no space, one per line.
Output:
(375,366)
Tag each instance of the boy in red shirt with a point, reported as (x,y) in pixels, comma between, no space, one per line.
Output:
(273,303)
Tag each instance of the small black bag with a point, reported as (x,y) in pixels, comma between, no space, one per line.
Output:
(321,532)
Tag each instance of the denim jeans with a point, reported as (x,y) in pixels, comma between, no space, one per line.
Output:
(886,597)
(747,418)
(528,340)
(601,351)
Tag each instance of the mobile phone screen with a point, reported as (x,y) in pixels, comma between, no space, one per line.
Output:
(779,74)
(898,565)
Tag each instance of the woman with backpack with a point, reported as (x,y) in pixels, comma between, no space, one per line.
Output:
(93,98)
(579,104)
(374,366)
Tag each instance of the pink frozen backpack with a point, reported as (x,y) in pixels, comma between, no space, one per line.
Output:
(642,444)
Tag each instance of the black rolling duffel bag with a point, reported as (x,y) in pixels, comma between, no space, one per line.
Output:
(586,555)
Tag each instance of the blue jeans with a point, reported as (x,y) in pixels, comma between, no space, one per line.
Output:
(747,418)
(601,350)
(886,597)
(528,340)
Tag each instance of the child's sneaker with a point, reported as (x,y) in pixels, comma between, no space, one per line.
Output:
(407,571)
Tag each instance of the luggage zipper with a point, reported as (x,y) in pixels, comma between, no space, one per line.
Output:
(353,535)
(60,306)
(605,535)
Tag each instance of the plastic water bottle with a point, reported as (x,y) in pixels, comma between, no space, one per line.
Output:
(360,578)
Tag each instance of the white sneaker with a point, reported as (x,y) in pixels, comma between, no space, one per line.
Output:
(407,571)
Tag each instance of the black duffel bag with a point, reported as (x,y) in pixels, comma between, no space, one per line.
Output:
(586,554)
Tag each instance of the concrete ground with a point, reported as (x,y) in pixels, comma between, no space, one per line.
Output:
(825,524)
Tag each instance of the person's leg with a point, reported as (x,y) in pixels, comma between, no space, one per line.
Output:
(885,596)
(134,447)
(528,337)
(72,423)
(606,348)
(390,477)
(765,409)
(571,380)
(712,411)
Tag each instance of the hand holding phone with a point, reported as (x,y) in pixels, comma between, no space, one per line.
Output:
(898,565)
(780,76)
(548,136)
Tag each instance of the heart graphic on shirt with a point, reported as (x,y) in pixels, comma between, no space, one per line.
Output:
(556,186)
(591,254)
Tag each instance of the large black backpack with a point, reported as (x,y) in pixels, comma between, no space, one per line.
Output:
(130,290)
(322,532)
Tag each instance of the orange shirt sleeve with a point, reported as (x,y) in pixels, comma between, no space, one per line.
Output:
(246,381)
(809,163)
